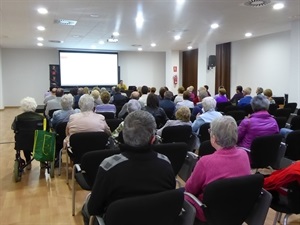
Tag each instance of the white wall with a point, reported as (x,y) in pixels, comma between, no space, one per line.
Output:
(25,72)
(262,62)
(1,89)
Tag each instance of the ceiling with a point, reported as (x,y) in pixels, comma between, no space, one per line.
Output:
(98,19)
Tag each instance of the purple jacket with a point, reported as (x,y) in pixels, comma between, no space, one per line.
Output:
(258,124)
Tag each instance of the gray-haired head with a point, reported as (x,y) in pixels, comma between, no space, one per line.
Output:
(225,131)
(28,104)
(133,105)
(247,91)
(202,93)
(67,101)
(209,103)
(259,91)
(168,95)
(259,103)
(86,103)
(139,128)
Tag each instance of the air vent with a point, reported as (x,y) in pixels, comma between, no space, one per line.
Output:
(65,22)
(56,41)
(257,3)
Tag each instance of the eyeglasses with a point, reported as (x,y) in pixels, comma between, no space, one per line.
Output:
(209,130)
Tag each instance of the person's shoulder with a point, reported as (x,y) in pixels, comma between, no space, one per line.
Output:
(112,161)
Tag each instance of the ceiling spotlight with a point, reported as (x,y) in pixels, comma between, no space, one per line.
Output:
(278,6)
(153,44)
(248,34)
(42,11)
(139,20)
(40,39)
(189,47)
(39,44)
(214,25)
(41,28)
(140,49)
(116,34)
(177,37)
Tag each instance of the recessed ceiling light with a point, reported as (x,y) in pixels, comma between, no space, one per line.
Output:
(42,11)
(248,34)
(214,25)
(39,44)
(278,6)
(139,20)
(140,49)
(116,34)
(189,47)
(177,37)
(180,1)
(40,39)
(41,28)
(101,42)
(94,15)
(153,44)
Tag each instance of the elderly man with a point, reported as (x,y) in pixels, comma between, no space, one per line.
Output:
(245,101)
(134,95)
(54,103)
(136,171)
(209,105)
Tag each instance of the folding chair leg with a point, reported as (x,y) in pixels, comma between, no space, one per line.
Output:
(277,218)
(59,161)
(73,190)
(67,168)
(285,220)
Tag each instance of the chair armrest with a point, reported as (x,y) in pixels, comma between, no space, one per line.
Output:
(196,200)
(98,218)
(78,168)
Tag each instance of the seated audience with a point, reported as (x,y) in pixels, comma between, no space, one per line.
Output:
(268,93)
(260,122)
(227,161)
(179,96)
(206,88)
(153,108)
(123,113)
(245,101)
(192,95)
(118,99)
(136,171)
(167,104)
(259,90)
(161,95)
(54,103)
(186,101)
(86,120)
(144,95)
(77,97)
(105,107)
(182,115)
(222,96)
(96,95)
(63,114)
(218,94)
(202,93)
(209,114)
(238,95)
(51,95)
(86,90)
(28,106)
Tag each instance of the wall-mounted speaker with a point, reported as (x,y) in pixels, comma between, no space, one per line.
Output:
(211,61)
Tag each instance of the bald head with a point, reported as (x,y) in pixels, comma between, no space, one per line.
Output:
(135,95)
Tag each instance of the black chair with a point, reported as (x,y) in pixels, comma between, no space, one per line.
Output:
(203,132)
(176,134)
(248,109)
(81,143)
(237,114)
(159,209)
(291,105)
(188,166)
(230,108)
(272,108)
(206,148)
(113,123)
(60,136)
(295,123)
(292,142)
(85,172)
(176,152)
(283,113)
(281,121)
(107,115)
(287,201)
(231,201)
(266,151)
(50,113)
(222,105)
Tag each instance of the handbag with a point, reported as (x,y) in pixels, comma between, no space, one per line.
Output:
(44,145)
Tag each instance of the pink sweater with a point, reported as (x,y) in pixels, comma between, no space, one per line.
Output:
(223,163)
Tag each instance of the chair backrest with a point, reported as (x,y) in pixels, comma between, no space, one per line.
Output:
(51,111)
(24,133)
(60,134)
(272,108)
(230,200)
(188,166)
(107,115)
(113,123)
(285,112)
(248,109)
(176,134)
(265,150)
(203,132)
(295,123)
(85,142)
(159,209)
(237,114)
(293,145)
(90,162)
(206,148)
(176,152)
(281,121)
(222,105)
(230,108)
(291,105)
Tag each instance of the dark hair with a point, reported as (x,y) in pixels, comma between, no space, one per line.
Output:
(239,88)
(152,101)
(144,89)
(117,89)
(162,91)
(186,95)
(73,91)
(152,89)
(59,92)
(206,87)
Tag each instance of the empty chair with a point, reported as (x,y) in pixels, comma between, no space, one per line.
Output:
(206,148)
(295,123)
(85,172)
(272,108)
(176,134)
(233,200)
(265,151)
(291,105)
(237,114)
(159,209)
(292,142)
(281,121)
(283,113)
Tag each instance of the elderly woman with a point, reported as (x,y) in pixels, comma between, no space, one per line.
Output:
(182,116)
(259,123)
(96,95)
(208,115)
(28,106)
(222,96)
(227,161)
(105,107)
(268,93)
(86,120)
(63,114)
